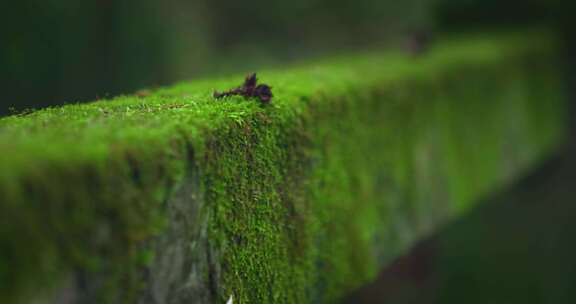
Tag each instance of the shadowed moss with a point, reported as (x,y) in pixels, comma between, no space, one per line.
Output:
(303,199)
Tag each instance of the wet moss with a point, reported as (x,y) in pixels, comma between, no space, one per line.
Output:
(304,199)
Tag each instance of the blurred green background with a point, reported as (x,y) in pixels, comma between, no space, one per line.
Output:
(59,51)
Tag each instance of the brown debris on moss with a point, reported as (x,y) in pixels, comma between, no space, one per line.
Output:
(249,89)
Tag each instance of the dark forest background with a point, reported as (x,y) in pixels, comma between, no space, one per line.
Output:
(61,51)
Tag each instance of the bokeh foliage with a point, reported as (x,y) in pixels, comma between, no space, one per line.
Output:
(59,51)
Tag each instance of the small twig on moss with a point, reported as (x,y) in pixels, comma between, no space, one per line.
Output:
(249,89)
(142,93)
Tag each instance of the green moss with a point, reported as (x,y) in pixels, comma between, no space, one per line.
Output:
(306,198)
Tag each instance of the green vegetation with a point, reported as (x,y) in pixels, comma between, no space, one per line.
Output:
(303,199)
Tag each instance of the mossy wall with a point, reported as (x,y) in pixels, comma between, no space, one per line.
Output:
(175,197)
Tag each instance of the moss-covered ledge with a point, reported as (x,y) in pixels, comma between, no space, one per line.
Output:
(175,197)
